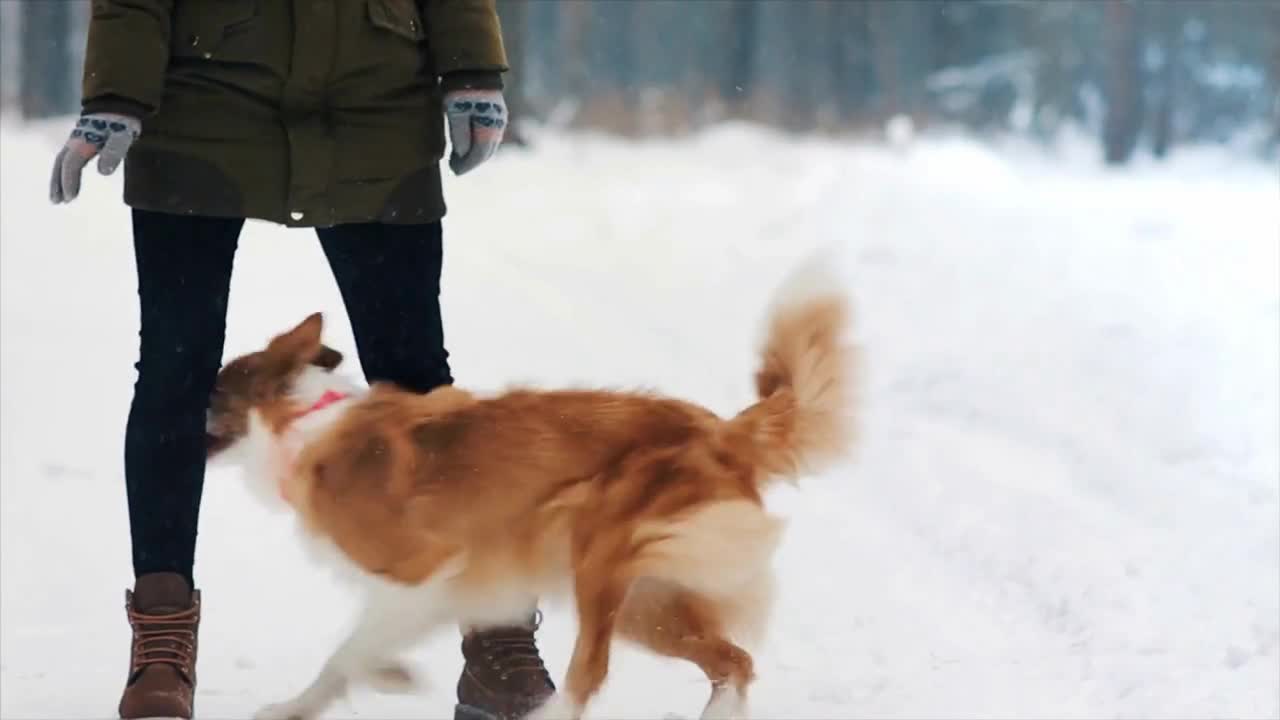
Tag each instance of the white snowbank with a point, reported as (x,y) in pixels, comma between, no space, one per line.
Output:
(1068,499)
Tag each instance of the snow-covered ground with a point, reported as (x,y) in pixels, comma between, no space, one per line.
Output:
(1066,504)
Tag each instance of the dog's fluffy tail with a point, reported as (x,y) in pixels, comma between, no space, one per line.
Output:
(804,420)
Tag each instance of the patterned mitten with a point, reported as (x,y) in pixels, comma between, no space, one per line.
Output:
(477,121)
(106,135)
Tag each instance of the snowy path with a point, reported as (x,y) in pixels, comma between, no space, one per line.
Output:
(1067,502)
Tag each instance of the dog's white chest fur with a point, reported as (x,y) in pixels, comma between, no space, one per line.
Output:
(269,459)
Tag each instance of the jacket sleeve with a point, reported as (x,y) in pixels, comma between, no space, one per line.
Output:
(126,55)
(465,36)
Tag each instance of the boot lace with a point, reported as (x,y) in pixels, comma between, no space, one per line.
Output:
(167,638)
(513,652)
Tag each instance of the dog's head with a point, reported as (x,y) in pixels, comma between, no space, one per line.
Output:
(265,381)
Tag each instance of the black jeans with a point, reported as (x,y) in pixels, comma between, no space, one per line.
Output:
(389,278)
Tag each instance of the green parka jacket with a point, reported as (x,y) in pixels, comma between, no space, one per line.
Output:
(302,112)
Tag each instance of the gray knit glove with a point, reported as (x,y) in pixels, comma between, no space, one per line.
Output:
(477,122)
(106,135)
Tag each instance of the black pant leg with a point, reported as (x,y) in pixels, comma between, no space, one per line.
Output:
(389,277)
(184,275)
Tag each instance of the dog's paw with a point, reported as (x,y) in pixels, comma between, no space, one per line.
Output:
(557,707)
(394,678)
(288,710)
(725,704)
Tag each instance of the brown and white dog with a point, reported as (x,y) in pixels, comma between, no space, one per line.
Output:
(452,509)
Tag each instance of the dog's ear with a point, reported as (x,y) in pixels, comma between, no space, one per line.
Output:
(327,358)
(297,347)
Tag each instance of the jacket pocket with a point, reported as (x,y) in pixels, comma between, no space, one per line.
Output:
(209,29)
(399,17)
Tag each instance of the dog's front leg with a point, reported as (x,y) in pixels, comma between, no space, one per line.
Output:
(390,621)
(598,599)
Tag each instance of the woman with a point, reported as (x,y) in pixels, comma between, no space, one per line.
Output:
(324,114)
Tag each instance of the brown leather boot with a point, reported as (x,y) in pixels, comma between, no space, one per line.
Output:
(165,615)
(504,677)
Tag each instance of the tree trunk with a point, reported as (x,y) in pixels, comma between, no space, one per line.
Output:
(515,27)
(886,60)
(739,80)
(47,88)
(1123,88)
(801,90)
(1166,19)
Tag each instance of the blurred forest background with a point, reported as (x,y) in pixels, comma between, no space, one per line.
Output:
(1140,76)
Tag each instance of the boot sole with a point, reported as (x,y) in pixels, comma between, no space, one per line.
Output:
(470,712)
